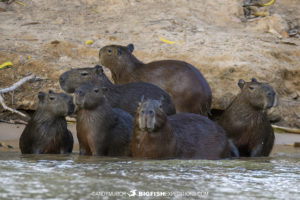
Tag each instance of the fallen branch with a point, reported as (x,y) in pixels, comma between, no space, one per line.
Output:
(12,88)
(10,109)
(286,129)
(19,83)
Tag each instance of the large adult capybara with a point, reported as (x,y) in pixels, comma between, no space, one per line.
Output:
(101,129)
(183,135)
(125,97)
(187,87)
(46,132)
(245,119)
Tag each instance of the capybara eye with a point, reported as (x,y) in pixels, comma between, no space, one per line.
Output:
(96,90)
(52,98)
(251,88)
(84,74)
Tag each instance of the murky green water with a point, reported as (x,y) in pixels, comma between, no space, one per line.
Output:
(80,177)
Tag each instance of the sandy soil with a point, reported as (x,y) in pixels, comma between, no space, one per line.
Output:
(10,134)
(48,38)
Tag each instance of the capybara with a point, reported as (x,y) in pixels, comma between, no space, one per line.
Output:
(125,97)
(46,132)
(183,135)
(187,87)
(245,119)
(101,129)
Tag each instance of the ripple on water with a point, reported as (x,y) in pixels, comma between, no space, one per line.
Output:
(73,176)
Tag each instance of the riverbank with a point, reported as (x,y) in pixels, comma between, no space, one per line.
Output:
(10,134)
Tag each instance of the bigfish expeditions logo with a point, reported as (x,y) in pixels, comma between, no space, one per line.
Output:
(136,193)
(132,193)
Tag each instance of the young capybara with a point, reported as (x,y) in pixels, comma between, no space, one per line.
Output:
(183,135)
(46,132)
(187,87)
(125,97)
(245,119)
(101,129)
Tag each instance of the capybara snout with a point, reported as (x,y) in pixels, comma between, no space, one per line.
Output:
(70,80)
(147,114)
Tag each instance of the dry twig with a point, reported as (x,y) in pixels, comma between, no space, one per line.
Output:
(14,87)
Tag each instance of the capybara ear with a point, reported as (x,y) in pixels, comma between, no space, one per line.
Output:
(98,69)
(241,83)
(254,80)
(130,47)
(51,92)
(41,96)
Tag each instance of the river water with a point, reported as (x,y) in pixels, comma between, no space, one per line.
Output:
(83,177)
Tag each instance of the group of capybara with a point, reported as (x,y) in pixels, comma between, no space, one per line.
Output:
(158,110)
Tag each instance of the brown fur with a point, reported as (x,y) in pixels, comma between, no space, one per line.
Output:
(246,122)
(101,130)
(187,87)
(125,97)
(184,135)
(47,130)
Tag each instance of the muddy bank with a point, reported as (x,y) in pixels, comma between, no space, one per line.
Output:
(10,134)
(48,38)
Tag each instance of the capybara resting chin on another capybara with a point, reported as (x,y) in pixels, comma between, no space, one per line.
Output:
(101,129)
(246,122)
(46,132)
(125,97)
(183,135)
(187,87)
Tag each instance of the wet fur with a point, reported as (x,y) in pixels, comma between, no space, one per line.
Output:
(47,133)
(247,125)
(184,135)
(104,131)
(187,87)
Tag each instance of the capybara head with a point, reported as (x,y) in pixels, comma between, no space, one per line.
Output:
(72,79)
(56,104)
(115,55)
(89,96)
(150,115)
(258,95)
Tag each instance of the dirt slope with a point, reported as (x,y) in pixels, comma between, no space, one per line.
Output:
(216,39)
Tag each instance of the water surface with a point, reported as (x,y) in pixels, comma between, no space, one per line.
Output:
(83,177)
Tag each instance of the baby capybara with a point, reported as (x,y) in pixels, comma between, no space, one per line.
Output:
(101,129)
(46,132)
(185,84)
(183,135)
(125,97)
(245,119)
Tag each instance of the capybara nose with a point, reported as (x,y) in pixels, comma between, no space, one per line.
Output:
(270,93)
(79,92)
(151,113)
